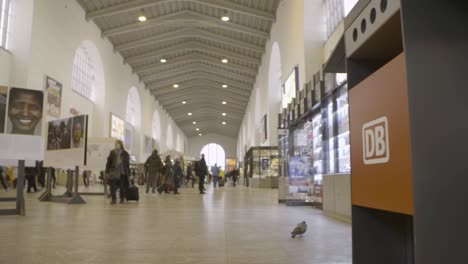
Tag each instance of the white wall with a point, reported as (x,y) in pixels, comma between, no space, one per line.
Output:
(197,143)
(44,38)
(5,67)
(298,31)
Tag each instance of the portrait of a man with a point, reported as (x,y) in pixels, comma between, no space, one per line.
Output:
(78,132)
(25,109)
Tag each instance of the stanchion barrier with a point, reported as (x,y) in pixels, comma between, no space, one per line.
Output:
(76,199)
(19,199)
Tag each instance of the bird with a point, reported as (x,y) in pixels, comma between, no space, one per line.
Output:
(300,229)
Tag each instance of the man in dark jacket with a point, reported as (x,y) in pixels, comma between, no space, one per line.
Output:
(178,174)
(153,167)
(118,163)
(201,170)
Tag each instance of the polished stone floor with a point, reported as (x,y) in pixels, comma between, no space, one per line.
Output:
(228,225)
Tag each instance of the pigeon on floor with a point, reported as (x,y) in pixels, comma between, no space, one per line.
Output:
(300,229)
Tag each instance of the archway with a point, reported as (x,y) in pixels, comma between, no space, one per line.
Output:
(274,92)
(214,154)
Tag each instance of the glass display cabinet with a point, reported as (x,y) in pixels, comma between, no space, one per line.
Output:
(263,166)
(342,119)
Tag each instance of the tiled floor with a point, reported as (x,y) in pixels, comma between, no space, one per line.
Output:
(228,225)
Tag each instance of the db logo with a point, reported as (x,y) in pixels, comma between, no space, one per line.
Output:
(375,141)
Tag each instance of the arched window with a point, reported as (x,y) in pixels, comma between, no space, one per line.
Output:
(156,126)
(83,73)
(133,112)
(214,154)
(179,143)
(169,137)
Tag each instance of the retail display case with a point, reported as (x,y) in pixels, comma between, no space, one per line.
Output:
(342,119)
(328,135)
(263,166)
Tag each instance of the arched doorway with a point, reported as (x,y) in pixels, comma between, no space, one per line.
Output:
(214,154)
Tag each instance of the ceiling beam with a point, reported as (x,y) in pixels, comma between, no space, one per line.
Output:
(204,95)
(190,33)
(190,58)
(198,66)
(141,4)
(170,105)
(206,61)
(188,94)
(191,46)
(185,18)
(195,84)
(198,75)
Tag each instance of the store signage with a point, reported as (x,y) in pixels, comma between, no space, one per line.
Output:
(375,141)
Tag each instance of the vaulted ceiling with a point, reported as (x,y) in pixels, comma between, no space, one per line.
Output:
(193,39)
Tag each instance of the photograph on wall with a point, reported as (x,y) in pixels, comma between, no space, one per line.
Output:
(148,144)
(265,164)
(54,97)
(117,127)
(262,130)
(25,109)
(59,134)
(78,132)
(128,137)
(3,105)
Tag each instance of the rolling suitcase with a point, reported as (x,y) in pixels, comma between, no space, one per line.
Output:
(161,188)
(221,182)
(132,194)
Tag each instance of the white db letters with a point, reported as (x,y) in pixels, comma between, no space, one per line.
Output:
(375,141)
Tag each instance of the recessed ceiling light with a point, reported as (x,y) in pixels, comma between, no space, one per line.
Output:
(224,114)
(184,102)
(225,86)
(197,129)
(194,122)
(189,114)
(224,61)
(163,60)
(224,102)
(175,85)
(200,135)
(225,18)
(142,18)
(224,123)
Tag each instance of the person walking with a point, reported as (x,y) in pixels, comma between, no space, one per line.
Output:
(3,179)
(215,173)
(30,175)
(189,175)
(178,174)
(168,178)
(201,170)
(234,175)
(118,169)
(153,167)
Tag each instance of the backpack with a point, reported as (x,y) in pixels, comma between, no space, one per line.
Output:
(197,166)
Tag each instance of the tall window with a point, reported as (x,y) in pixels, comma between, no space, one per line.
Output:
(214,154)
(336,11)
(156,126)
(83,74)
(5,8)
(133,112)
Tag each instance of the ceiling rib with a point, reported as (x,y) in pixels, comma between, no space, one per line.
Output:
(187,18)
(189,33)
(191,46)
(141,4)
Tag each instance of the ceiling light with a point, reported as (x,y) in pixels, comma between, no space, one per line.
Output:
(224,114)
(194,122)
(189,114)
(224,123)
(197,129)
(225,86)
(224,102)
(200,135)
(184,102)
(163,60)
(224,61)
(142,18)
(225,18)
(175,85)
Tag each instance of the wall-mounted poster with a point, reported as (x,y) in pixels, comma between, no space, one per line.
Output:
(298,184)
(290,87)
(128,137)
(78,132)
(148,145)
(54,97)
(3,104)
(25,108)
(117,129)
